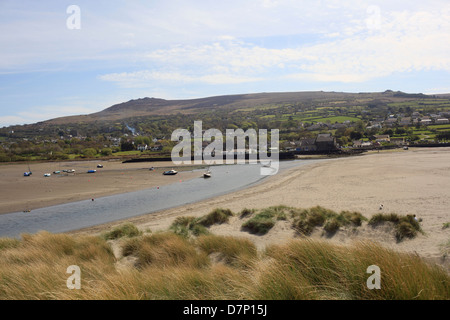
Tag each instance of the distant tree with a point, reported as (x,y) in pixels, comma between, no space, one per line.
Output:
(413,137)
(57,156)
(444,136)
(340,132)
(348,132)
(106,151)
(343,141)
(355,135)
(400,131)
(89,152)
(360,126)
(126,146)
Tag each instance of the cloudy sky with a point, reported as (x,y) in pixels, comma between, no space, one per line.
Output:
(61,58)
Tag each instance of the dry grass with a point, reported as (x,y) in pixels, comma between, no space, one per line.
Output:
(405,226)
(170,266)
(327,271)
(234,251)
(124,230)
(36,267)
(165,250)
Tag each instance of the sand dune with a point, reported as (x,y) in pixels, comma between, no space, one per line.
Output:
(416,181)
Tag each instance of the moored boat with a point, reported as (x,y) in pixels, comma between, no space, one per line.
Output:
(170,172)
(207,174)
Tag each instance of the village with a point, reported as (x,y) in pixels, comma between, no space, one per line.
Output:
(317,127)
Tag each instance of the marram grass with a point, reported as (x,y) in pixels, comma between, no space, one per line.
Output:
(170,266)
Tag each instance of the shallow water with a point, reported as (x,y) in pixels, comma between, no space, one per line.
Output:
(87,213)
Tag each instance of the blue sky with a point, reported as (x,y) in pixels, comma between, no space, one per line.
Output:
(57,62)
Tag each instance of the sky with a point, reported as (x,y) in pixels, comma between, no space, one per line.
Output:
(60,58)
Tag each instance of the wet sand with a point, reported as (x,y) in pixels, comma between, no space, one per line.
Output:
(21,193)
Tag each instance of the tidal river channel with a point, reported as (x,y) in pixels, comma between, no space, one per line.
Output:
(81,214)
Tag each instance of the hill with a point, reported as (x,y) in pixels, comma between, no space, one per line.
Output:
(151,121)
(155,106)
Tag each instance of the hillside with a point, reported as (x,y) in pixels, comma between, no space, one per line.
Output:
(154,106)
(150,121)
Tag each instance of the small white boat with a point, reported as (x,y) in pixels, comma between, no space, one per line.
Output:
(170,172)
(28,173)
(207,174)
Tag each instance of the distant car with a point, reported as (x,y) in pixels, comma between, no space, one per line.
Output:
(56,172)
(71,171)
(27,174)
(92,171)
(99,166)
(47,174)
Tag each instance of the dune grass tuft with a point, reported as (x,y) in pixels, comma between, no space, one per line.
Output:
(188,227)
(124,230)
(307,219)
(163,250)
(217,216)
(246,212)
(232,250)
(6,243)
(405,226)
(319,270)
(264,220)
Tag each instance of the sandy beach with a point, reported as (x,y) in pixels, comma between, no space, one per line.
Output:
(21,193)
(415,181)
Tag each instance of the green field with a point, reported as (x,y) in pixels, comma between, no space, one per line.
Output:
(128,153)
(440,127)
(339,119)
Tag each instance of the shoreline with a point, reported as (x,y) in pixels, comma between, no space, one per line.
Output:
(21,193)
(145,220)
(406,182)
(409,182)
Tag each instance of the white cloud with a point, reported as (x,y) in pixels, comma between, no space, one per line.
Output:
(146,78)
(437,90)
(404,42)
(177,46)
(42,113)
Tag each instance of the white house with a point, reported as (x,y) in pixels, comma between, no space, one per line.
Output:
(142,147)
(442,121)
(382,138)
